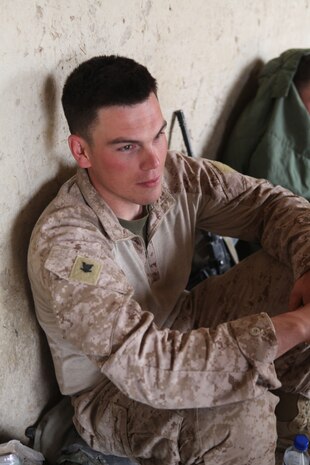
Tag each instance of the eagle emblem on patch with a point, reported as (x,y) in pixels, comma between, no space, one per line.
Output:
(86,270)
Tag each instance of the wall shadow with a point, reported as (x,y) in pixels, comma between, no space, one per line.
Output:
(49,106)
(243,90)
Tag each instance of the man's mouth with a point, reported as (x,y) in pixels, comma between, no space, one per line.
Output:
(150,182)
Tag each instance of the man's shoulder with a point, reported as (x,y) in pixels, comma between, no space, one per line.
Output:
(68,203)
(67,220)
(191,173)
(178,164)
(177,161)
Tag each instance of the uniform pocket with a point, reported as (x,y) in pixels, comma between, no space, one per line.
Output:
(111,430)
(131,429)
(153,434)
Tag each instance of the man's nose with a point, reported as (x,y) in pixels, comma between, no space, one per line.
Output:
(150,160)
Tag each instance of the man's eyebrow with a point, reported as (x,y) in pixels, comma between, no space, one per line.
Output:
(162,128)
(124,140)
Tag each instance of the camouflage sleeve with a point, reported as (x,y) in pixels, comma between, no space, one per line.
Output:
(253,209)
(96,312)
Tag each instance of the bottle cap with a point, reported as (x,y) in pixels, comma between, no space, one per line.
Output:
(301,442)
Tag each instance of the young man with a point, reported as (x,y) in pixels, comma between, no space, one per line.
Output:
(157,373)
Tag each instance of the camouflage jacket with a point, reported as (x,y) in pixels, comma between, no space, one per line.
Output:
(107,303)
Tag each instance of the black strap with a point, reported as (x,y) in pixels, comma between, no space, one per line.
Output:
(182,123)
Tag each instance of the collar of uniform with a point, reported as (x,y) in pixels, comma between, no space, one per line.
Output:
(107,217)
(159,209)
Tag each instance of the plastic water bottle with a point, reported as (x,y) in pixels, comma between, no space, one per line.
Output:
(297,454)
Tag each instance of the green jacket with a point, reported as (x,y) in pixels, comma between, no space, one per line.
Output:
(272,137)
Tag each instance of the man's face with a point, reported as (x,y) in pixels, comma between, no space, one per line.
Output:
(304,92)
(126,156)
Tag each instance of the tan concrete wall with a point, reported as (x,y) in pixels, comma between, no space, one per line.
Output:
(201,51)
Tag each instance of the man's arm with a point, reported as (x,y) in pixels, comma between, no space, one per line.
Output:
(292,328)
(254,210)
(163,368)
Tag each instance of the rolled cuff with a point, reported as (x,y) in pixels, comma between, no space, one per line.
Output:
(257,341)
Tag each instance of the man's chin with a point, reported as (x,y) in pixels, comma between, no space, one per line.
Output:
(152,197)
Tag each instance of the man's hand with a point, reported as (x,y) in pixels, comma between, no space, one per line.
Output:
(300,294)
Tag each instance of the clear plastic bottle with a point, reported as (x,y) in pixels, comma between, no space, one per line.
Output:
(10,459)
(297,454)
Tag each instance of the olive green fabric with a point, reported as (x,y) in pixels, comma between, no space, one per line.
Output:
(271,139)
(138,227)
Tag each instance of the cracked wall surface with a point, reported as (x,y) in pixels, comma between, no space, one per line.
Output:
(203,54)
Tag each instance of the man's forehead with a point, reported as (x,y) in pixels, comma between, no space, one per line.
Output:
(119,120)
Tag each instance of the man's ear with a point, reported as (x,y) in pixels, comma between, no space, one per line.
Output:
(80,150)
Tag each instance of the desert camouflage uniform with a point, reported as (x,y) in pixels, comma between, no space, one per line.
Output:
(156,373)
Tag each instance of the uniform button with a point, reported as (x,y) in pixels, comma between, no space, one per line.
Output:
(255,331)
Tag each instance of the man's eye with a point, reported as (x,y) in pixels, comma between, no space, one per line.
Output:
(126,148)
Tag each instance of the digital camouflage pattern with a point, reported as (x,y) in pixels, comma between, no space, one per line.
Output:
(134,349)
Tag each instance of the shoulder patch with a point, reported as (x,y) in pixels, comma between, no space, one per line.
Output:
(85,270)
(222,167)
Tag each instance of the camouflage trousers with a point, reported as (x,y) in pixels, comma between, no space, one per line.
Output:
(240,433)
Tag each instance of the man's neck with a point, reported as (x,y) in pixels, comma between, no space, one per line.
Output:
(137,213)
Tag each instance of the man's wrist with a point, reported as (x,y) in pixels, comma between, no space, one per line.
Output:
(292,328)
